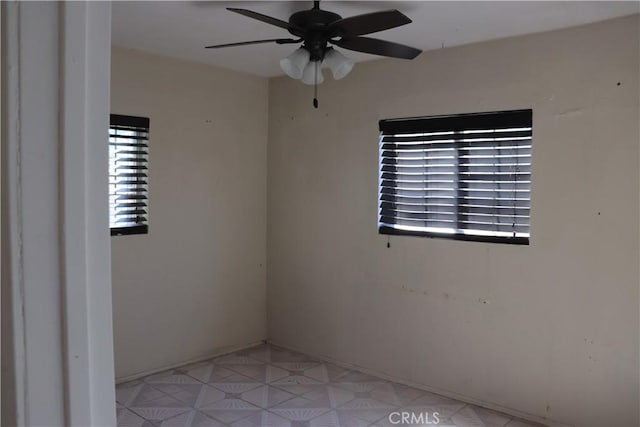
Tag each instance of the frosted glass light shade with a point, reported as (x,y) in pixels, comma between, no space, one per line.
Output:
(294,64)
(309,74)
(340,65)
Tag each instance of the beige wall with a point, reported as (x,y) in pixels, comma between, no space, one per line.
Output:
(549,329)
(195,284)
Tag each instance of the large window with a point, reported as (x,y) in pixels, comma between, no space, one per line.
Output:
(465,177)
(128,175)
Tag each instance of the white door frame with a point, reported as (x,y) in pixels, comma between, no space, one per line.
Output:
(57,340)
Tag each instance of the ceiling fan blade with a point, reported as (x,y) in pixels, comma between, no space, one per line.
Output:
(269,20)
(378,47)
(368,23)
(278,41)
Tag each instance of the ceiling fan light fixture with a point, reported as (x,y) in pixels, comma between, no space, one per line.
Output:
(312,73)
(294,64)
(316,29)
(339,64)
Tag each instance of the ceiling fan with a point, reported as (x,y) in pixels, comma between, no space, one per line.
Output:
(318,29)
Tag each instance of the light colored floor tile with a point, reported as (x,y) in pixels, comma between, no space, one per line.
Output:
(187,393)
(523,423)
(434,399)
(406,394)
(298,389)
(158,414)
(263,419)
(266,396)
(159,409)
(208,395)
(355,377)
(235,387)
(335,372)
(295,380)
(370,415)
(277,355)
(255,372)
(328,419)
(268,386)
(144,393)
(230,405)
(299,414)
(235,359)
(292,373)
(491,418)
(348,420)
(229,416)
(331,395)
(191,418)
(274,373)
(302,402)
(467,417)
(174,376)
(233,378)
(208,372)
(126,418)
(125,394)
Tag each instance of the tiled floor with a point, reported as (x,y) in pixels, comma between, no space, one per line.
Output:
(271,387)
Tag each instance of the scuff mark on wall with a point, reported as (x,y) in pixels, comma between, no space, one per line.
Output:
(569,113)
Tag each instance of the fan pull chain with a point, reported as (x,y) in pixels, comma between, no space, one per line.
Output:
(315,86)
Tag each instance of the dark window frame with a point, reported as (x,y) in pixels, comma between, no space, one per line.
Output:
(138,124)
(455,124)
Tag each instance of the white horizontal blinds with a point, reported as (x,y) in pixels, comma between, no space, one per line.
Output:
(128,174)
(465,176)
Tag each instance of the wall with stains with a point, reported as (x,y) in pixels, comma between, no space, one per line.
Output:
(195,285)
(551,329)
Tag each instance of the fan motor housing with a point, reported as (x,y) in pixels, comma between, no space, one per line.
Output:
(313,19)
(315,23)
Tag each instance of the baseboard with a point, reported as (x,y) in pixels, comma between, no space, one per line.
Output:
(216,353)
(462,398)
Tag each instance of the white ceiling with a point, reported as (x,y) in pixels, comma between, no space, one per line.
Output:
(182,29)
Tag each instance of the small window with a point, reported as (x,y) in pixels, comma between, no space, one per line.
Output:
(464,177)
(128,175)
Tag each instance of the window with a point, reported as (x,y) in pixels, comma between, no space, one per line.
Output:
(464,177)
(128,173)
